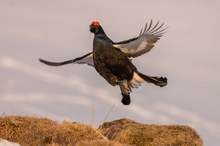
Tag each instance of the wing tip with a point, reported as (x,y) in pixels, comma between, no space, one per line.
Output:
(50,63)
(154,29)
(41,60)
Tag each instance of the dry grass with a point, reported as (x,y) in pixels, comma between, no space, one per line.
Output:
(100,143)
(42,131)
(133,133)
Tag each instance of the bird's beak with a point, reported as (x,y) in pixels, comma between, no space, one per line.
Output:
(91,28)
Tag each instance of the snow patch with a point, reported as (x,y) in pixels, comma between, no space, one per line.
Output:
(8,143)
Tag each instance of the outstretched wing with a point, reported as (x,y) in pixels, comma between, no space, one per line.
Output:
(85,59)
(144,42)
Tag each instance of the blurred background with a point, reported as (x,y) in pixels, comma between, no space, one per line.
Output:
(55,30)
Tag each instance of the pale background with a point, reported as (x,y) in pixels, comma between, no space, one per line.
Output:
(57,30)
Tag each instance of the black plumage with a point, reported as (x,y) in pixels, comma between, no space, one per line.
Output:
(112,60)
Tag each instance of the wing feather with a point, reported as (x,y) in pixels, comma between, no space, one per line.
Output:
(144,42)
(85,59)
(151,22)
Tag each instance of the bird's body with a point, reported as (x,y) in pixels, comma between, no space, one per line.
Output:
(112,64)
(111,60)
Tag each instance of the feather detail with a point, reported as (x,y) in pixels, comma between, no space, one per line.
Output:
(85,59)
(136,81)
(142,44)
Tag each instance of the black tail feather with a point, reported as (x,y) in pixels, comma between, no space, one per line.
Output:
(126,100)
(158,81)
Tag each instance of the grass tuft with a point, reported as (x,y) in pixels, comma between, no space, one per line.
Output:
(28,131)
(42,131)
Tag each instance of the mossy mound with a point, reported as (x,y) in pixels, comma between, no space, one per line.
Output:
(133,133)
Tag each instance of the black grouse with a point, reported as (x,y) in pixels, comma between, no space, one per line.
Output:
(112,59)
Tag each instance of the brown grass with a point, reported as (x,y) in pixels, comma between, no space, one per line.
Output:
(42,131)
(133,133)
(100,143)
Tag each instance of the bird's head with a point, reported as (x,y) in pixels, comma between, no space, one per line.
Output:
(95,27)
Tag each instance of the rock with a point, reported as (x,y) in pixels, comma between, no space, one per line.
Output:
(133,133)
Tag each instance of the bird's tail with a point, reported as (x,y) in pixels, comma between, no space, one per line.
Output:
(158,81)
(136,81)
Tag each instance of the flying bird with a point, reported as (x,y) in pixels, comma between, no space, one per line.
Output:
(112,60)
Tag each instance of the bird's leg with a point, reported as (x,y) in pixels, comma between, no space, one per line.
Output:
(113,80)
(125,92)
(124,87)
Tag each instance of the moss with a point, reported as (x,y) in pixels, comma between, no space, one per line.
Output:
(131,132)
(141,138)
